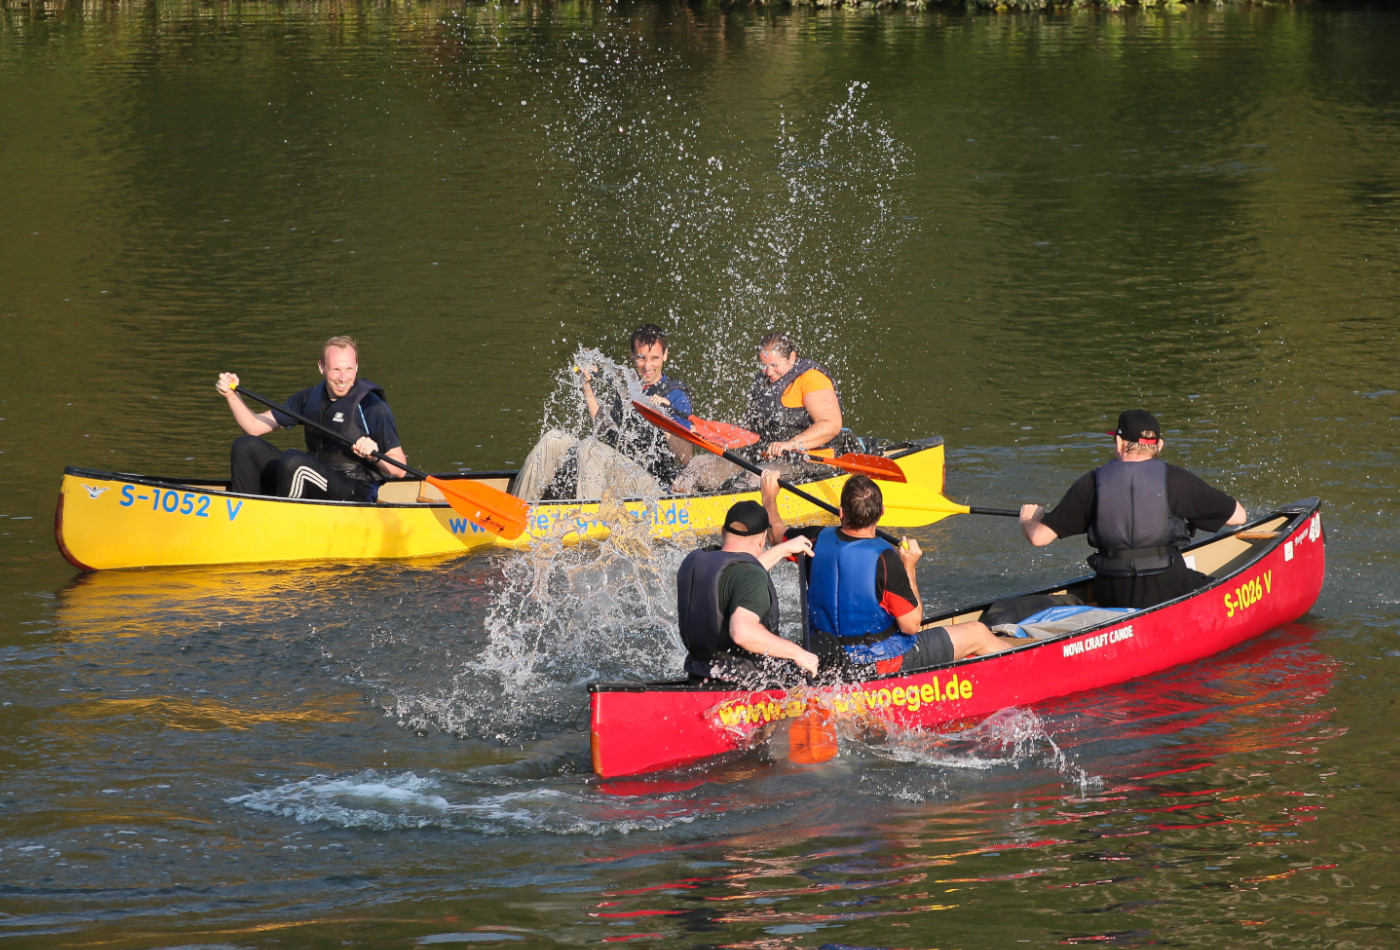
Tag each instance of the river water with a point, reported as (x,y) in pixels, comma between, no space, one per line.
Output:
(999,228)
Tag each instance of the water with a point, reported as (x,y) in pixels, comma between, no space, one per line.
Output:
(1000,228)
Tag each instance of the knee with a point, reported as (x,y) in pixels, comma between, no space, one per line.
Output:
(289,460)
(245,443)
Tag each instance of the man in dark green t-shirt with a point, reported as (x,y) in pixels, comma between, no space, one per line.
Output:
(728,608)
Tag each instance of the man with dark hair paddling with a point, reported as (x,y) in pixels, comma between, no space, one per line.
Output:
(1137,512)
(863,595)
(328,468)
(728,608)
(626,453)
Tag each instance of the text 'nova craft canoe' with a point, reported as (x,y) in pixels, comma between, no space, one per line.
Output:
(1264,574)
(110,520)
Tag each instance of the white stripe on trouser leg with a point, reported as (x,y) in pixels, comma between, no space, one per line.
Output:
(304,476)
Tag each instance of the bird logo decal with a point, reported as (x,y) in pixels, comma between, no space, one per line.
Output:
(93,493)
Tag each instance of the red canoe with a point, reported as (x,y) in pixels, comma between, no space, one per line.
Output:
(1266,573)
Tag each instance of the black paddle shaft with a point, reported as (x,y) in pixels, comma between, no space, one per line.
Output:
(1003,512)
(312,424)
(784,483)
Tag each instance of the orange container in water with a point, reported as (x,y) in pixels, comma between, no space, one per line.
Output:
(812,736)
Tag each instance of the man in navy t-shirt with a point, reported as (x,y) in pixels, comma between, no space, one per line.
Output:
(329,468)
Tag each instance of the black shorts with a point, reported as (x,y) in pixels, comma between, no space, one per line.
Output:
(933,647)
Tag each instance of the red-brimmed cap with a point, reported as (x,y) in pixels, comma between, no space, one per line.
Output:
(1138,425)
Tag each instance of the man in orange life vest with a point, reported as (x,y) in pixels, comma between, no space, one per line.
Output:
(863,594)
(1137,512)
(793,407)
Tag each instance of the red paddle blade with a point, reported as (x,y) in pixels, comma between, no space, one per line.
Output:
(496,511)
(668,424)
(876,466)
(723,433)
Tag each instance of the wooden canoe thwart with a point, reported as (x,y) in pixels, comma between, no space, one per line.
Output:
(1266,574)
(111,520)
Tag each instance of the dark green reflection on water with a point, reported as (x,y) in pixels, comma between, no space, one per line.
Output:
(1017,226)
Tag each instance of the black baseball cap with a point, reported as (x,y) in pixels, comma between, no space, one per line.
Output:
(1138,425)
(746,518)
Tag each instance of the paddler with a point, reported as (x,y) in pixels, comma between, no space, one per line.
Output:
(328,468)
(1137,512)
(863,593)
(794,407)
(626,454)
(727,606)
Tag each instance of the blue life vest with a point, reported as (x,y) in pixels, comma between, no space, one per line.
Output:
(842,598)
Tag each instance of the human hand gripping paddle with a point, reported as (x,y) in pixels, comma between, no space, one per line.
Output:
(663,421)
(937,501)
(496,511)
(730,436)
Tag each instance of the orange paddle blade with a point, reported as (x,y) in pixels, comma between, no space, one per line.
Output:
(724,433)
(876,466)
(496,511)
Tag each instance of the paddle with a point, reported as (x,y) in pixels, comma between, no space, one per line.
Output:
(730,436)
(488,507)
(953,508)
(667,424)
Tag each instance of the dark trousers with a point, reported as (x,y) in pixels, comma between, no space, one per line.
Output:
(261,468)
(1148,590)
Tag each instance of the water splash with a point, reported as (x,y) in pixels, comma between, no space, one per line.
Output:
(701,220)
(736,239)
(1014,738)
(487,804)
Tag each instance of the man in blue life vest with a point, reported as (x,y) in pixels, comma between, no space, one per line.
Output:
(1137,512)
(728,608)
(328,468)
(626,454)
(863,593)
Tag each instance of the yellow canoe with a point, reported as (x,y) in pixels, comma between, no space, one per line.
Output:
(110,520)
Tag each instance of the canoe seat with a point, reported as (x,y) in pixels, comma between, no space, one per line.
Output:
(395,492)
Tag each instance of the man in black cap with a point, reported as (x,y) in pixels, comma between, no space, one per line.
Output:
(1137,511)
(728,607)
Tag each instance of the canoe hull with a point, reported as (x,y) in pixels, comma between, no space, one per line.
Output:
(643,728)
(107,520)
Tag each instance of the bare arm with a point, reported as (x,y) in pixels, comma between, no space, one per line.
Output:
(749,633)
(396,453)
(768,491)
(589,399)
(825,410)
(1239,517)
(909,554)
(253,423)
(1033,528)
